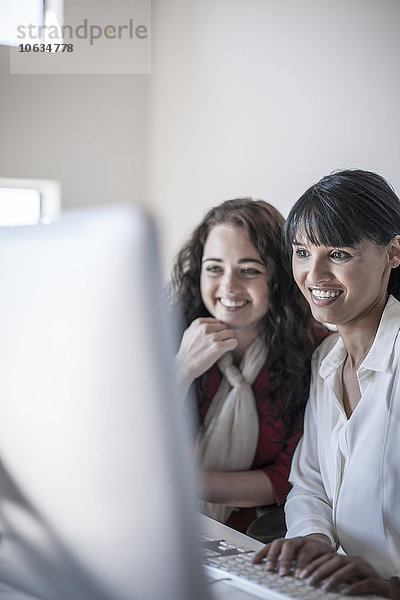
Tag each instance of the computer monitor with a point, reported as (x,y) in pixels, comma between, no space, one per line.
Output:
(97,498)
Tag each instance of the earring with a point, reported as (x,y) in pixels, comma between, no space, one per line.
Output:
(394,263)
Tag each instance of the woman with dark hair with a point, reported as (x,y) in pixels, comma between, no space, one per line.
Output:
(345,236)
(247,347)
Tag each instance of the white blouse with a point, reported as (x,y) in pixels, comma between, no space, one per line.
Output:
(346,472)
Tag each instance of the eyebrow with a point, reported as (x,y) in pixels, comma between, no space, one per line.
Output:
(240,261)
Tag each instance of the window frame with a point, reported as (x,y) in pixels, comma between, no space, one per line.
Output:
(49,191)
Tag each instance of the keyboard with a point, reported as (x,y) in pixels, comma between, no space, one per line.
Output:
(231,563)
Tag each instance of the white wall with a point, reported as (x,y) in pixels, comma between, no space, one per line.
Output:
(88,132)
(246,97)
(263,97)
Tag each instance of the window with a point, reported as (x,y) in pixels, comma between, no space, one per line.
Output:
(29,201)
(20,15)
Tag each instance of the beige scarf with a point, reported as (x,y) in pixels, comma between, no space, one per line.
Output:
(228,439)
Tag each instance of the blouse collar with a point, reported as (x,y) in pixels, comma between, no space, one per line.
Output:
(380,355)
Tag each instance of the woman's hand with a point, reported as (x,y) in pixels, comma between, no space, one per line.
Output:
(281,553)
(203,343)
(331,570)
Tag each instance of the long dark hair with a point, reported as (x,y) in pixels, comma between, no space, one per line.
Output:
(288,322)
(343,209)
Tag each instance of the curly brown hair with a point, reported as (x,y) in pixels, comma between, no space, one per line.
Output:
(288,326)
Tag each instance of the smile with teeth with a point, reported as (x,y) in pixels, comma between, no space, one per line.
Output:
(323,294)
(229,303)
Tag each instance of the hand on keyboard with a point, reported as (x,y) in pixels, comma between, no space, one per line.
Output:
(334,570)
(281,553)
(313,559)
(226,562)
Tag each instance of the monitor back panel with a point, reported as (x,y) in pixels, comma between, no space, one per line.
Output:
(97,498)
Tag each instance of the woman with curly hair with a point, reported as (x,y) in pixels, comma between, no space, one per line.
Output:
(247,348)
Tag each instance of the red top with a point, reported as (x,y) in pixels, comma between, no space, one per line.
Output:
(272,455)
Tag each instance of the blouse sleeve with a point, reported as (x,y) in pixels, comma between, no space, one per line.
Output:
(308,508)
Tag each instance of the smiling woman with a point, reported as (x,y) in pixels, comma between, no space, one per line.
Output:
(345,236)
(331,280)
(233,283)
(247,348)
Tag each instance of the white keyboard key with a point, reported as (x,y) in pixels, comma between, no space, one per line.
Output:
(234,566)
